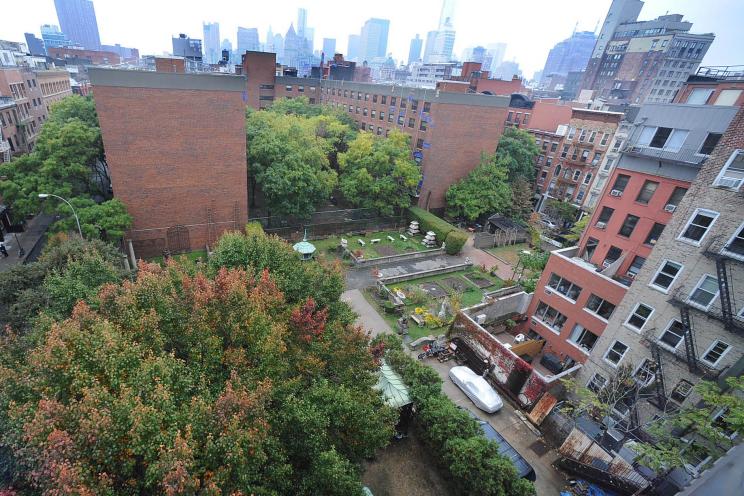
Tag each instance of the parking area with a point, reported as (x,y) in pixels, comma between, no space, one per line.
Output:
(549,480)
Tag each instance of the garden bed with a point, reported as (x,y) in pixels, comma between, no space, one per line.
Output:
(384,248)
(509,253)
(425,296)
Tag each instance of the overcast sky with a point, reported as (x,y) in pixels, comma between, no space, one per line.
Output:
(529,27)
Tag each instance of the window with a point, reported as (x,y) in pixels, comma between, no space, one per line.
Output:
(374,98)
(584,155)
(571,133)
(582,135)
(714,354)
(605,138)
(592,136)
(639,316)
(673,334)
(390,117)
(564,287)
(402,103)
(557,170)
(422,125)
(735,246)
(427,106)
(576,175)
(647,192)
(379,131)
(365,111)
(401,120)
(411,122)
(414,104)
(583,338)
(288,87)
(646,372)
(510,116)
(551,317)
(383,99)
(628,225)
(732,174)
(596,383)
(564,152)
(420,143)
(681,391)
(710,142)
(392,101)
(359,95)
(366,97)
(615,353)
(666,275)
(705,292)
(620,183)
(600,306)
(590,247)
(698,225)
(677,195)
(636,266)
(373,113)
(605,215)
(382,115)
(596,158)
(728,97)
(612,255)
(588,178)
(665,138)
(300,88)
(358,110)
(553,146)
(608,164)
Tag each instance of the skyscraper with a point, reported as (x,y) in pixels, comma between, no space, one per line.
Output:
(78,21)
(414,51)
(35,45)
(329,47)
(188,48)
(571,54)
(439,43)
(53,37)
(431,39)
(302,23)
(248,40)
(494,55)
(212,51)
(374,38)
(353,47)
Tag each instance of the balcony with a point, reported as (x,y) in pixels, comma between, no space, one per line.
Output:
(688,156)
(681,297)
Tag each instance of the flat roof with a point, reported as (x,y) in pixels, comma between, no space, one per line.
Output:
(123,78)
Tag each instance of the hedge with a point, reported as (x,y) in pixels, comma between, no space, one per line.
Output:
(453,237)
(470,460)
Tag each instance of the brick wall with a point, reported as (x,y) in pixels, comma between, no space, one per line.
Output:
(173,154)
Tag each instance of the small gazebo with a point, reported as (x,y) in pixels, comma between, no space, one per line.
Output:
(395,394)
(305,248)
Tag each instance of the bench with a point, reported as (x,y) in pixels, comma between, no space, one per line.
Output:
(391,239)
(418,319)
(403,238)
(361,242)
(373,241)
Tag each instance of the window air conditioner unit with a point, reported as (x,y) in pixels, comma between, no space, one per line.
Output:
(480,319)
(616,192)
(548,290)
(631,275)
(729,182)
(600,225)
(606,264)
(670,208)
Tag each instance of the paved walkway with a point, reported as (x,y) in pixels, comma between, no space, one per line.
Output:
(35,229)
(368,318)
(362,277)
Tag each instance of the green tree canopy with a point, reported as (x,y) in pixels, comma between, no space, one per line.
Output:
(484,190)
(517,151)
(379,172)
(181,382)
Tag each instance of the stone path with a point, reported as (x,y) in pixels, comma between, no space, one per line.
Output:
(362,277)
(368,318)
(35,229)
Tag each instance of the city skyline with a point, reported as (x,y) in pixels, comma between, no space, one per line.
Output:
(475,24)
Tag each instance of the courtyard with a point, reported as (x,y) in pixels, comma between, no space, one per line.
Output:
(374,244)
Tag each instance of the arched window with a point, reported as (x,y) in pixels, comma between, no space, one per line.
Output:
(557,170)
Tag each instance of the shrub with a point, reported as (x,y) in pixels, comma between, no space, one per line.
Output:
(416,295)
(455,241)
(254,229)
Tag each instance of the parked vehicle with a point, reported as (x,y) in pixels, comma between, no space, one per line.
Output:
(476,388)
(434,349)
(524,469)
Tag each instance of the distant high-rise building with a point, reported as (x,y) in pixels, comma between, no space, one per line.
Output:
(642,61)
(431,38)
(571,54)
(494,56)
(302,22)
(35,45)
(227,46)
(374,38)
(188,48)
(78,21)
(507,70)
(310,38)
(212,51)
(414,51)
(478,54)
(353,47)
(248,40)
(329,47)
(53,37)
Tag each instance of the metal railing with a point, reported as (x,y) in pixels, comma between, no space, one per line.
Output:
(727,72)
(683,155)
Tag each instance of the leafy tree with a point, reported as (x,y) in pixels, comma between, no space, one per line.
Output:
(561,210)
(289,161)
(484,190)
(520,207)
(194,383)
(108,220)
(379,172)
(578,229)
(517,151)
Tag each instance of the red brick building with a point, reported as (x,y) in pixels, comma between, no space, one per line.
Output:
(714,86)
(176,149)
(96,57)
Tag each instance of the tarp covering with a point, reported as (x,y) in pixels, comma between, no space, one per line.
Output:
(392,387)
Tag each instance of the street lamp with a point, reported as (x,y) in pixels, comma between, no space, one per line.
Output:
(46,195)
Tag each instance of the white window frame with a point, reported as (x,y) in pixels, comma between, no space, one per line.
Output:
(633,313)
(652,376)
(710,348)
(577,344)
(698,211)
(591,380)
(666,329)
(609,348)
(725,168)
(658,271)
(709,92)
(697,286)
(739,230)
(595,314)
(689,391)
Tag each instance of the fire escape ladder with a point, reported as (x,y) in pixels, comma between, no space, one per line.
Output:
(724,292)
(684,314)
(660,390)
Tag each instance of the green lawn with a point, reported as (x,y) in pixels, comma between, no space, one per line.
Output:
(192,256)
(509,253)
(470,295)
(383,248)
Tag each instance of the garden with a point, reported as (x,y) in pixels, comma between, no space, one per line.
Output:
(374,245)
(430,303)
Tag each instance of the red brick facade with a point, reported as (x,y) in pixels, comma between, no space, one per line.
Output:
(176,148)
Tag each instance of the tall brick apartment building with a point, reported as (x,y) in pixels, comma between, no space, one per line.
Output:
(448,129)
(176,148)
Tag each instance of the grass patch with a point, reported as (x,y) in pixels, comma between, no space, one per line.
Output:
(191,256)
(385,247)
(509,253)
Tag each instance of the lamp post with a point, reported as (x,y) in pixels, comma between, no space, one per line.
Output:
(46,195)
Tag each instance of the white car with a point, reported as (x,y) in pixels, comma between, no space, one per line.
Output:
(476,388)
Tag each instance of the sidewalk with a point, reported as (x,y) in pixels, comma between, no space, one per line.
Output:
(35,229)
